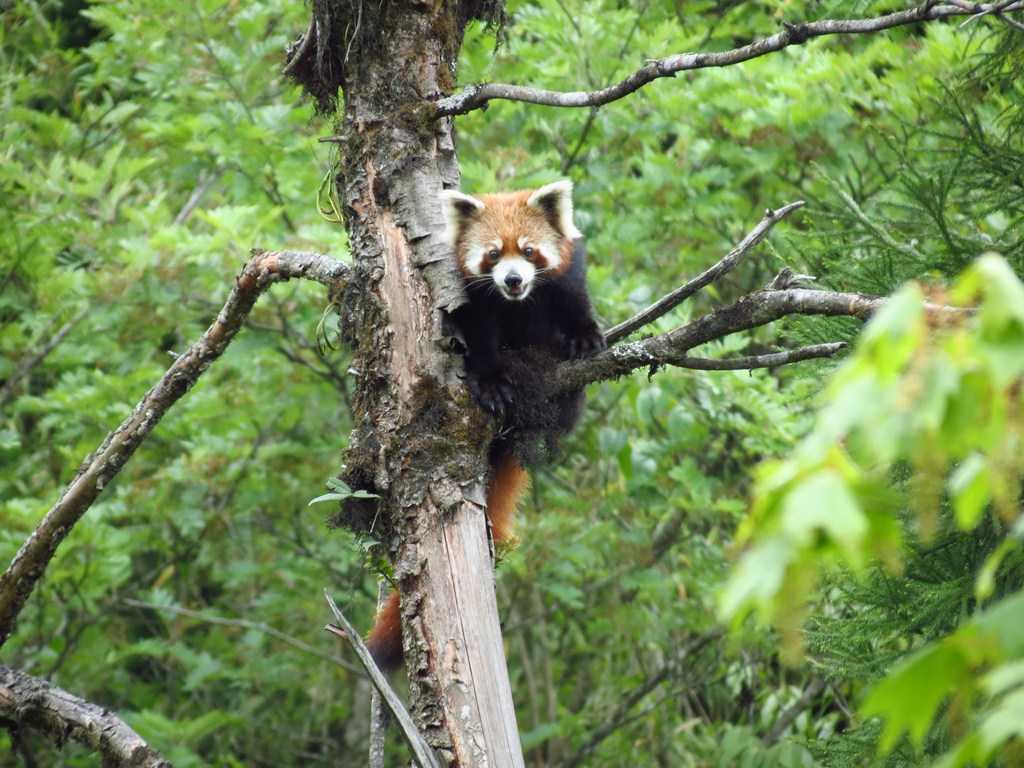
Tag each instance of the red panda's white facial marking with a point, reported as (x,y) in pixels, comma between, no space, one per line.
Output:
(544,253)
(513,237)
(514,277)
(478,256)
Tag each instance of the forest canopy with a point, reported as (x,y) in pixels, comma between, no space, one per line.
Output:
(815,563)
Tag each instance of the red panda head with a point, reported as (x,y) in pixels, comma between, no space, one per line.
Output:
(514,238)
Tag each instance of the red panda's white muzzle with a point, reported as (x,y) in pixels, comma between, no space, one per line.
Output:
(514,277)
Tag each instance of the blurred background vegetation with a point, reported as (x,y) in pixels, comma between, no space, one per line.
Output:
(147,145)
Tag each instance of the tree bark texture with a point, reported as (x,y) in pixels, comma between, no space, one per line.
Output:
(418,441)
(29,702)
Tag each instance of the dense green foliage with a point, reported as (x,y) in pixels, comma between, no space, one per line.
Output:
(909,146)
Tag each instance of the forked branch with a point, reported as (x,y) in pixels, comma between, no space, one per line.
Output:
(724,265)
(477,96)
(750,311)
(263,270)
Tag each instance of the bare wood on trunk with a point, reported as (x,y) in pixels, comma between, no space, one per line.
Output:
(418,442)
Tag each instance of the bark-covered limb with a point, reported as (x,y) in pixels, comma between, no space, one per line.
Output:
(724,265)
(750,311)
(477,96)
(263,270)
(421,751)
(30,702)
(770,360)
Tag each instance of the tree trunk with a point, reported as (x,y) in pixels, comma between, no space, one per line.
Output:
(419,441)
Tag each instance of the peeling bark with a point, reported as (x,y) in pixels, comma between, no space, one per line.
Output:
(418,440)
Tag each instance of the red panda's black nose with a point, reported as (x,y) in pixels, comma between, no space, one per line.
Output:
(513,281)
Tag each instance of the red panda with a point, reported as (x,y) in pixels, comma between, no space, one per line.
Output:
(524,267)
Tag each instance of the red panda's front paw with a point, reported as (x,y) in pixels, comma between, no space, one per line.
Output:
(494,393)
(588,343)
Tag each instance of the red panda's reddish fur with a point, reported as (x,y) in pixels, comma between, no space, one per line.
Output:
(508,482)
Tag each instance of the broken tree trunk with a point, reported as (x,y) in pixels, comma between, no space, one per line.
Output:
(419,441)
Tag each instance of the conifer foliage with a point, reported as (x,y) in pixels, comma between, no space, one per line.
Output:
(820,564)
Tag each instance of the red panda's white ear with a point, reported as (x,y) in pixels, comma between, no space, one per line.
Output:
(459,210)
(555,200)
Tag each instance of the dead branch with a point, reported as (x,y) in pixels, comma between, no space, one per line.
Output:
(477,96)
(263,270)
(725,264)
(29,702)
(770,360)
(422,752)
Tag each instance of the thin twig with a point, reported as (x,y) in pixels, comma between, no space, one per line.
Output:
(996,8)
(879,231)
(263,270)
(724,265)
(31,361)
(206,180)
(770,360)
(421,751)
(477,96)
(257,626)
(1012,22)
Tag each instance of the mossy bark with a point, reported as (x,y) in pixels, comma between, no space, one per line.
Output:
(419,442)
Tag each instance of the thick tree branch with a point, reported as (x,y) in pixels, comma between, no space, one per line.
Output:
(477,96)
(263,270)
(725,264)
(30,702)
(421,751)
(750,311)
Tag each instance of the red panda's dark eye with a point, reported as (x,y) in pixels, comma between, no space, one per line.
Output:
(493,255)
(528,252)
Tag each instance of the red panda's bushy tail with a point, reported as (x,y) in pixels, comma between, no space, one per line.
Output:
(385,639)
(508,481)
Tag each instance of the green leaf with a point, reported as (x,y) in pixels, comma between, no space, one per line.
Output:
(908,698)
(971,490)
(823,505)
